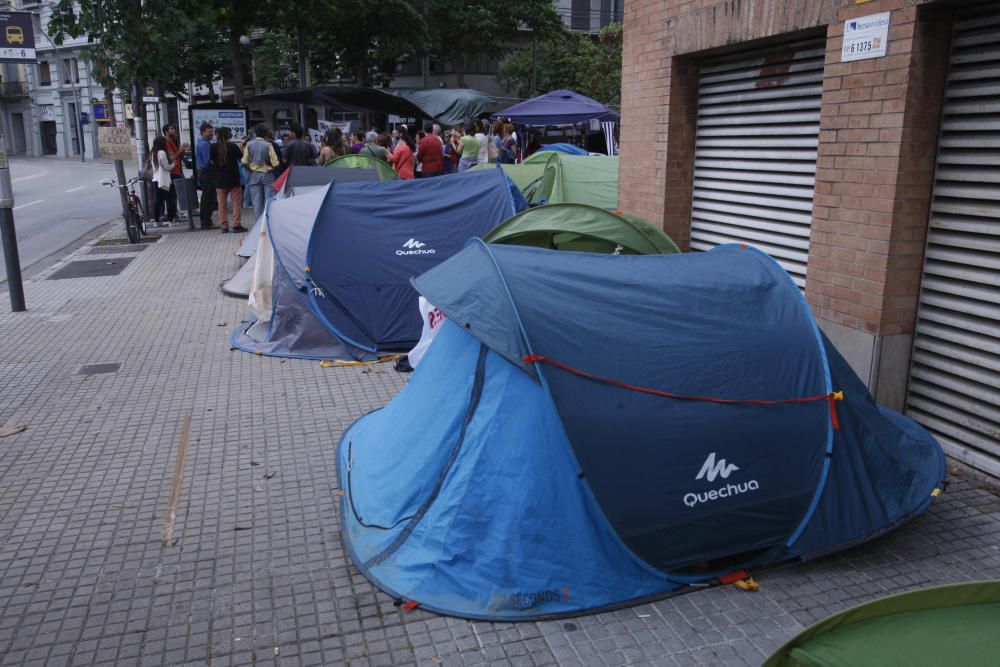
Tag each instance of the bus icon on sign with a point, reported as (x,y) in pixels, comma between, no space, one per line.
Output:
(14,34)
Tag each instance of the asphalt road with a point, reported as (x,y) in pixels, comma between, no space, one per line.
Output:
(57,202)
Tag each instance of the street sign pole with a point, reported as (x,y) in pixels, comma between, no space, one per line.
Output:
(9,238)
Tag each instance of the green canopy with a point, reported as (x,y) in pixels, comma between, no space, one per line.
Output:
(353,161)
(582,228)
(945,625)
(449,106)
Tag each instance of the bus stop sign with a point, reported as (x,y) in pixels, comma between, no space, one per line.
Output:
(17,38)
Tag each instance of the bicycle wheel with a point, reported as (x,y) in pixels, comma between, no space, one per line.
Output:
(132,226)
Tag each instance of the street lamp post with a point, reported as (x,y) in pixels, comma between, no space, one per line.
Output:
(78,121)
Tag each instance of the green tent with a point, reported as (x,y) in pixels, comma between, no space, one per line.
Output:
(550,177)
(353,161)
(582,228)
(523,175)
(946,625)
(584,179)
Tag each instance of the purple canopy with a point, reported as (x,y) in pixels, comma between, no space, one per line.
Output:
(560,107)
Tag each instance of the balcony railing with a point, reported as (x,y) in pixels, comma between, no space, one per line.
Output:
(13,89)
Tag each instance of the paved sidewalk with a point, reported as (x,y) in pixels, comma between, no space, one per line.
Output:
(256,572)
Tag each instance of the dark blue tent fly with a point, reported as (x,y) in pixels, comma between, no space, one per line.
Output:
(343,257)
(559,107)
(570,444)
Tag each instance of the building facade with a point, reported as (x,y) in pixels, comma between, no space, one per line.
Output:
(873,179)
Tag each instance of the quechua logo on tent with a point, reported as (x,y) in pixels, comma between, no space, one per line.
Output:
(711,469)
(415,247)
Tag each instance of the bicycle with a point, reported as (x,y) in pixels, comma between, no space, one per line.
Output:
(135,221)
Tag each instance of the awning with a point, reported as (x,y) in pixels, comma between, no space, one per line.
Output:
(449,106)
(349,99)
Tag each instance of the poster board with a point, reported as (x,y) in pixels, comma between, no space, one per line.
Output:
(115,143)
(236,118)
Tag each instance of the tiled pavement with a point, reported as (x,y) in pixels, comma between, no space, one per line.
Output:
(255,572)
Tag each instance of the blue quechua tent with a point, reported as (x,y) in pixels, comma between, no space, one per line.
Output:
(343,256)
(571,444)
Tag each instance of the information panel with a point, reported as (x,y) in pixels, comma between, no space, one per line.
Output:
(865,37)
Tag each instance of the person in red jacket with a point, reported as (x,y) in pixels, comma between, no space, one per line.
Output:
(402,157)
(430,153)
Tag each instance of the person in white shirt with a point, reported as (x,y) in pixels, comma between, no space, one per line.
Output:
(484,152)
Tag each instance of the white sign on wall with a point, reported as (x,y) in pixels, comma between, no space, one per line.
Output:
(865,37)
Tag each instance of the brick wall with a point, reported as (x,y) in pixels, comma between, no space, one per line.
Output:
(878,138)
(875,171)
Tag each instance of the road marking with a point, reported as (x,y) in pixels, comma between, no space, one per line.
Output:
(76,189)
(30,203)
(43,172)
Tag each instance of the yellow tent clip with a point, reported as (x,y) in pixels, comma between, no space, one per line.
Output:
(838,395)
(747,584)
(336,363)
(935,493)
(306,269)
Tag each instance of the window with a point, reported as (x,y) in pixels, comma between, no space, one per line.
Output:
(44,74)
(70,69)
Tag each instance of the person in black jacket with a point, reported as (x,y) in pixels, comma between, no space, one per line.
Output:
(226,166)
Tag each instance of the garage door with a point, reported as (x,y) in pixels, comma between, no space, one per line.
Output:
(755,154)
(955,376)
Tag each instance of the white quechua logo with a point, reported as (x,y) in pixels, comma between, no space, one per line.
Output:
(415,247)
(712,469)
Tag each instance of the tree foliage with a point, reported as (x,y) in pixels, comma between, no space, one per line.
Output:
(152,40)
(461,31)
(588,65)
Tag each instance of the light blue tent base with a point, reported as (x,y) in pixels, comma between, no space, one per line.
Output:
(566,556)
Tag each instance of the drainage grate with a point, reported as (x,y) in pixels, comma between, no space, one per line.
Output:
(115,249)
(152,238)
(91,268)
(97,369)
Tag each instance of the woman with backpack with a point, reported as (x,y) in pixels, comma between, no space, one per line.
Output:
(225,163)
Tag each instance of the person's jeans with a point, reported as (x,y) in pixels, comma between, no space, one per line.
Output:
(236,192)
(172,198)
(260,191)
(160,197)
(465,163)
(208,197)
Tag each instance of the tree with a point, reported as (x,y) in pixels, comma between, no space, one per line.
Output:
(461,31)
(569,60)
(131,41)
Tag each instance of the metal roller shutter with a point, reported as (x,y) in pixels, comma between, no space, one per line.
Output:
(954,387)
(755,152)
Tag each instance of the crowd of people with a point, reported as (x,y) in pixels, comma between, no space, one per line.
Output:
(230,172)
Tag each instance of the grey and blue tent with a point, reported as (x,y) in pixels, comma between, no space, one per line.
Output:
(343,256)
(297,180)
(571,444)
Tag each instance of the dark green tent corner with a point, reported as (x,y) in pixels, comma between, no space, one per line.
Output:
(942,626)
(582,228)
